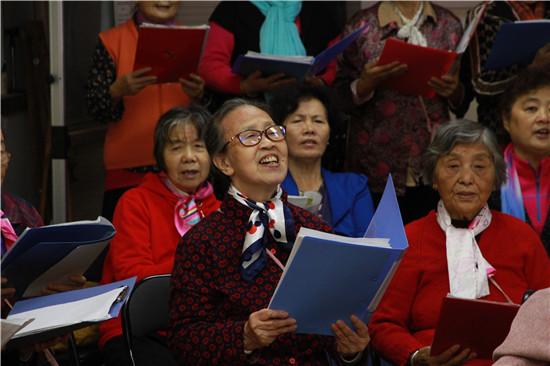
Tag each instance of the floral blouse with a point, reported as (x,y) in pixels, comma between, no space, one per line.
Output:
(389,132)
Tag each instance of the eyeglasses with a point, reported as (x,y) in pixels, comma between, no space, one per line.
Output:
(253,137)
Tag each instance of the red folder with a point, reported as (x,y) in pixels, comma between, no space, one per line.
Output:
(423,64)
(476,324)
(172,52)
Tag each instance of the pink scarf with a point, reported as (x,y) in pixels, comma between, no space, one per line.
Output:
(8,233)
(186,212)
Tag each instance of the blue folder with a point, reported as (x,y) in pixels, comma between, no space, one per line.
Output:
(247,64)
(66,297)
(330,280)
(38,249)
(518,43)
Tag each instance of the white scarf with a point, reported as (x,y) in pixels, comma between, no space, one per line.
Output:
(468,270)
(410,30)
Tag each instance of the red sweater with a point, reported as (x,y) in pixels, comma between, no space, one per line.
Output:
(146,238)
(215,65)
(406,318)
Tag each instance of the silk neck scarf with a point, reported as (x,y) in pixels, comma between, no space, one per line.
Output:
(186,213)
(468,271)
(410,30)
(272,215)
(8,233)
(511,199)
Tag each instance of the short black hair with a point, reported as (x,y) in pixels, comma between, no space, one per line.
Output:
(529,79)
(193,114)
(287,100)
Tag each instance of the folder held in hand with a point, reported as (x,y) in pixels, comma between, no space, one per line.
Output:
(479,325)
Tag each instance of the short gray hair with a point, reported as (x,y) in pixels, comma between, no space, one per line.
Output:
(215,140)
(463,131)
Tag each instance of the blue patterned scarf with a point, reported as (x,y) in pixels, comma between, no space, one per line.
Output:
(274,216)
(511,199)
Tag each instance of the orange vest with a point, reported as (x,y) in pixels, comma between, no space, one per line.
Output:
(129,142)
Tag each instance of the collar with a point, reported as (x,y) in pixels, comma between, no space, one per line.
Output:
(387,14)
(524,169)
(230,206)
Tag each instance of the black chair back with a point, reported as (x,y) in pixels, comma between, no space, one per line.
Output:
(146,310)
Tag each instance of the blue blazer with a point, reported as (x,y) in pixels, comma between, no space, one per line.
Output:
(349,199)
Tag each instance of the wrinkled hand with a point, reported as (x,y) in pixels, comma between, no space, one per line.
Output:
(193,87)
(349,342)
(264,326)
(446,86)
(373,75)
(255,83)
(131,83)
(451,357)
(314,81)
(75,282)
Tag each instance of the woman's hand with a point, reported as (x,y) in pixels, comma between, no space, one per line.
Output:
(131,83)
(446,86)
(255,83)
(349,342)
(75,282)
(193,87)
(373,75)
(452,356)
(314,81)
(264,326)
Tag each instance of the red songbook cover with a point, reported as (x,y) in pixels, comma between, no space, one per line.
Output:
(423,64)
(172,52)
(476,324)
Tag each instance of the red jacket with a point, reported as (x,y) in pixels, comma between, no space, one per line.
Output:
(146,239)
(406,318)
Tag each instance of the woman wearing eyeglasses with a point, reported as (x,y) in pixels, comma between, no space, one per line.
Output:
(228,266)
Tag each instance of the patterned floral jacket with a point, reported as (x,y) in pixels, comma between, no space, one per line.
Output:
(210,302)
(389,132)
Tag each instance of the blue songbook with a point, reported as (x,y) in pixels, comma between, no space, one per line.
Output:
(329,277)
(85,306)
(48,254)
(518,43)
(295,66)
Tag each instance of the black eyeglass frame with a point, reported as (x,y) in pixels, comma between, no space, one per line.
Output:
(281,129)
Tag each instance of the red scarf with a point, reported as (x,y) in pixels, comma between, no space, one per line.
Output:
(8,233)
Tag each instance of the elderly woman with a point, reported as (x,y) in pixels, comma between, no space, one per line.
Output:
(343,199)
(463,249)
(526,116)
(151,218)
(227,267)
